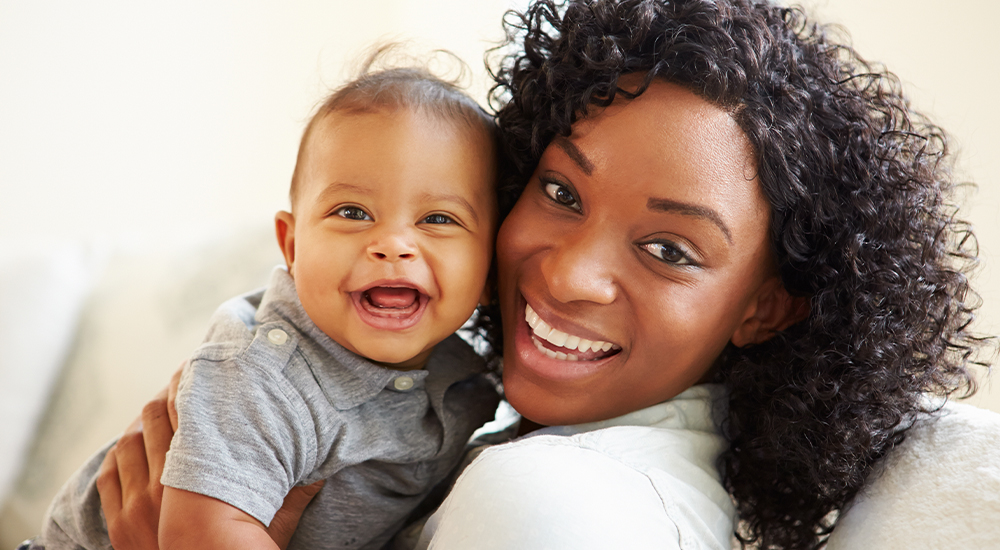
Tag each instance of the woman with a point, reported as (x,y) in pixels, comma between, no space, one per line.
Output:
(725,196)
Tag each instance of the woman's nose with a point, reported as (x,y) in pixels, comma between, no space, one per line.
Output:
(392,244)
(582,267)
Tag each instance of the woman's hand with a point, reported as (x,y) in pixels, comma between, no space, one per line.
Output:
(129,480)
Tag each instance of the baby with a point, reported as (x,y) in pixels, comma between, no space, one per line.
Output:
(346,368)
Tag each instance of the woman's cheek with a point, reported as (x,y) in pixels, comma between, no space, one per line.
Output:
(523,230)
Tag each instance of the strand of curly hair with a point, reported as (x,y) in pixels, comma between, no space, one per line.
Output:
(858,184)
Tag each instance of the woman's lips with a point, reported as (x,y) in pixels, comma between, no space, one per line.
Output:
(392,306)
(557,344)
(539,360)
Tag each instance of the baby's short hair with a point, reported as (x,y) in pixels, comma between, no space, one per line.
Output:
(412,88)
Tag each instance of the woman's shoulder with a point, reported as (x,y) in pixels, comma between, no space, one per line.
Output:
(940,486)
(664,439)
(634,486)
(542,494)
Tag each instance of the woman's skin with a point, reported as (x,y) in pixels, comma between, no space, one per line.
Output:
(645,229)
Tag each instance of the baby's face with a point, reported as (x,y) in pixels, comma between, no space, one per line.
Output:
(392,233)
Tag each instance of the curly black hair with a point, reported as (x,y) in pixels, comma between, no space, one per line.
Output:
(858,184)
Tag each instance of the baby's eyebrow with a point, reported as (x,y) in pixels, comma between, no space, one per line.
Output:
(337,187)
(458,200)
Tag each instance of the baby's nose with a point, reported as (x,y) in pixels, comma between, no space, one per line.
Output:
(393,247)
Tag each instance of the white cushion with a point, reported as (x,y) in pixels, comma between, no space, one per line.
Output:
(940,489)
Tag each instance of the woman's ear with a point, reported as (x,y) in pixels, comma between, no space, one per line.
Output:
(284,228)
(773,310)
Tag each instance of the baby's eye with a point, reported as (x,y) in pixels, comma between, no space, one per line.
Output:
(668,252)
(561,194)
(437,219)
(352,213)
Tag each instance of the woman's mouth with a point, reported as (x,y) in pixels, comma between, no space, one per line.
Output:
(559,345)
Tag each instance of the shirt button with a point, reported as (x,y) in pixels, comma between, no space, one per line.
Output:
(277,336)
(403,383)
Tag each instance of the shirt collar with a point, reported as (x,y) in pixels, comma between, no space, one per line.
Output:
(348,379)
(692,409)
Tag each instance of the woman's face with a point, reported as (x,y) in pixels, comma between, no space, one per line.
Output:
(638,248)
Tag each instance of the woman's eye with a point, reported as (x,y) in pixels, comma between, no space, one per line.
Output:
(668,253)
(437,219)
(352,213)
(561,194)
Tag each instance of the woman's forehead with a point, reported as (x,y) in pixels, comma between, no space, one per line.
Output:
(669,144)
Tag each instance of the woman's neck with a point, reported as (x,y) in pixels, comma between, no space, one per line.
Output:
(527,426)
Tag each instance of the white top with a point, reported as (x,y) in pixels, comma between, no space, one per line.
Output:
(643,480)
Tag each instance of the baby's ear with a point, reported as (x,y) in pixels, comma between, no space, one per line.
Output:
(284,228)
(773,310)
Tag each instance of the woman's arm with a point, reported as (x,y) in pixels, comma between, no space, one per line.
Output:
(130,488)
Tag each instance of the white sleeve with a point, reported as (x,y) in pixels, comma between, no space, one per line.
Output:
(550,496)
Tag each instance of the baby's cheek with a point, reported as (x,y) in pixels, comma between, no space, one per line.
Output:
(463,286)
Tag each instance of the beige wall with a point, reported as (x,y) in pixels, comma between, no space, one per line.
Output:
(122,118)
(946,56)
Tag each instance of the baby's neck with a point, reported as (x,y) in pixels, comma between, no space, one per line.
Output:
(414,363)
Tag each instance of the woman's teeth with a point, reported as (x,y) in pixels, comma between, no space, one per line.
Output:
(543,331)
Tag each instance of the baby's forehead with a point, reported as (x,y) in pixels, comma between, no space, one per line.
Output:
(404,127)
(347,137)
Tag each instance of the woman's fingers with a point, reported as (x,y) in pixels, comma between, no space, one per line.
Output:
(175,381)
(287,518)
(109,485)
(131,510)
(133,468)
(129,478)
(157,433)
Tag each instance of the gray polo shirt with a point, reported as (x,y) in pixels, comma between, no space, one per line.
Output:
(270,401)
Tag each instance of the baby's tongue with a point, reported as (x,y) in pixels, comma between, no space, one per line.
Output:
(392,297)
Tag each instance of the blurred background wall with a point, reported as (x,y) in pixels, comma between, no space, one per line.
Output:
(160,127)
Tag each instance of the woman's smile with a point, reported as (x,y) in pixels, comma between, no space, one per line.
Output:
(564,346)
(558,364)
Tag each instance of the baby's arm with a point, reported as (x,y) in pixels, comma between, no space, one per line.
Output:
(192,521)
(242,442)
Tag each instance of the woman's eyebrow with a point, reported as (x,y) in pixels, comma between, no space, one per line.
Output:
(688,209)
(576,154)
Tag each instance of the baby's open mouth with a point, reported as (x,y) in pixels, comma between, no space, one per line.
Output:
(563,346)
(390,307)
(391,300)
